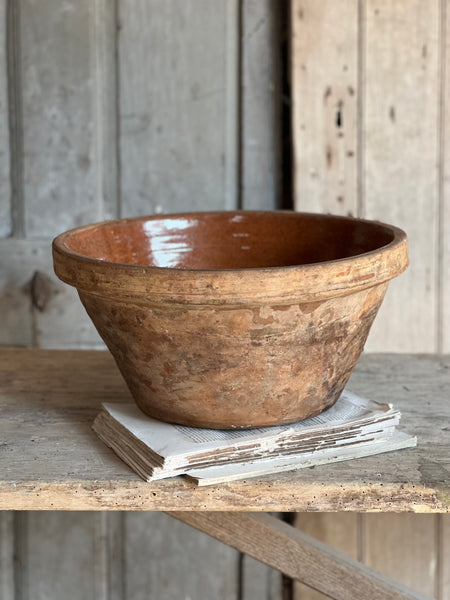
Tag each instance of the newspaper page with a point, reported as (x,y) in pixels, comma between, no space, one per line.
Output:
(279,464)
(175,442)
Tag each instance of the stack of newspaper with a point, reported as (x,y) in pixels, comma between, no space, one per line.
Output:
(354,427)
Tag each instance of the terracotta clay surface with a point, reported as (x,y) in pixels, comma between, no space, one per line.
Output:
(233,319)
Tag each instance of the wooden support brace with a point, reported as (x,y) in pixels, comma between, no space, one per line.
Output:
(298,555)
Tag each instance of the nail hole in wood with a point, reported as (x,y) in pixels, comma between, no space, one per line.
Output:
(339,115)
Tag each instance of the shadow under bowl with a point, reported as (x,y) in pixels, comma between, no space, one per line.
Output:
(233,319)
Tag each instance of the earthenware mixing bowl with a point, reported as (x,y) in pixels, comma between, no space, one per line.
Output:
(233,319)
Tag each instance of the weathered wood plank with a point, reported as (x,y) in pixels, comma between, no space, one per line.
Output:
(298,555)
(444,214)
(400,173)
(174,125)
(63,323)
(5,181)
(163,557)
(103,24)
(404,547)
(20,554)
(338,530)
(232,99)
(52,397)
(19,260)
(41,311)
(259,581)
(58,114)
(444,558)
(7,591)
(109,575)
(68,555)
(60,556)
(324,71)
(260,117)
(134,495)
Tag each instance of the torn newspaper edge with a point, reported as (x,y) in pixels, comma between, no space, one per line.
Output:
(352,428)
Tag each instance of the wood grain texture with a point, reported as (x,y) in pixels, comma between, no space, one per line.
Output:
(338,530)
(259,581)
(12,43)
(400,173)
(232,155)
(298,555)
(60,320)
(5,181)
(261,113)
(103,28)
(108,561)
(62,323)
(52,397)
(166,559)
(444,214)
(379,540)
(360,145)
(60,549)
(444,557)
(68,555)
(173,106)
(404,547)
(7,586)
(18,262)
(58,116)
(324,71)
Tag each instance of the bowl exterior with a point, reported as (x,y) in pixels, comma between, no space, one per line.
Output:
(233,347)
(236,366)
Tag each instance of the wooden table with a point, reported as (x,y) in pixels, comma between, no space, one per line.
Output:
(51,460)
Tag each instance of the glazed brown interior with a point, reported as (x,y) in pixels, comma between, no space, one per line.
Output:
(227,240)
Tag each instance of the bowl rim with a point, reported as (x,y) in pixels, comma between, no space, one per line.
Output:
(88,273)
(60,240)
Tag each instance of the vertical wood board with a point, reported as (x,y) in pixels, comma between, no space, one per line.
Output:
(19,259)
(259,581)
(444,557)
(400,168)
(444,216)
(58,113)
(74,98)
(7,591)
(109,577)
(339,530)
(20,554)
(167,559)
(174,126)
(103,28)
(60,556)
(404,547)
(261,114)
(5,187)
(324,71)
(61,322)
